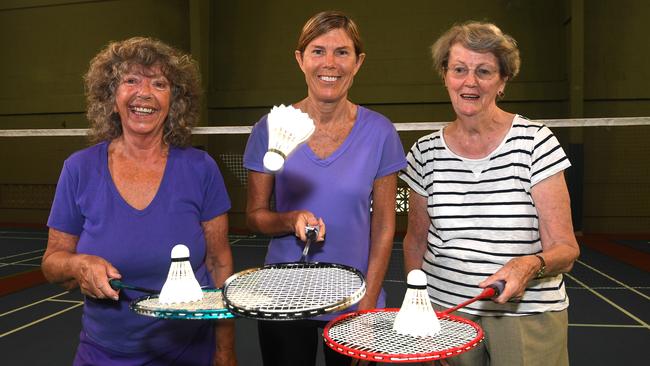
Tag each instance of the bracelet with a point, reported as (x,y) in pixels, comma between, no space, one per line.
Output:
(542,270)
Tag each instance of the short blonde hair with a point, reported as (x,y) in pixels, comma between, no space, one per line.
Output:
(326,21)
(478,37)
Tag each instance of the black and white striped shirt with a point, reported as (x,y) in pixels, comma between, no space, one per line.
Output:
(482,215)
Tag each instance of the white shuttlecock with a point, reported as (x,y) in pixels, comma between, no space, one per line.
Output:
(181,284)
(416,317)
(288,127)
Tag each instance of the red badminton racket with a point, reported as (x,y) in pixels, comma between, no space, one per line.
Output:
(369,334)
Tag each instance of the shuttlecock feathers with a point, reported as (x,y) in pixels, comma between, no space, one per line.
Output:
(181,284)
(416,317)
(288,127)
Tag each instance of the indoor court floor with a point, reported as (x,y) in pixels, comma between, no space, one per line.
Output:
(609,312)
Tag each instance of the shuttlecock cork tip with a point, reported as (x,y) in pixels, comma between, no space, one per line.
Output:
(180,251)
(416,279)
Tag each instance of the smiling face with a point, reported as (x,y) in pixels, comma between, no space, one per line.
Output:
(329,63)
(472,80)
(142,100)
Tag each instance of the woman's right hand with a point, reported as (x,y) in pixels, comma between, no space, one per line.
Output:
(92,274)
(304,218)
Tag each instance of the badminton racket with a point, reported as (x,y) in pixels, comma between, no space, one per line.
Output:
(369,334)
(291,291)
(210,307)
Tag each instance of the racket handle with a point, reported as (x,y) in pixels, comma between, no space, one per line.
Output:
(496,287)
(117,285)
(492,290)
(312,234)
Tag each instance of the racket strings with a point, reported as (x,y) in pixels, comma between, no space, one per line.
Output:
(211,300)
(294,288)
(372,334)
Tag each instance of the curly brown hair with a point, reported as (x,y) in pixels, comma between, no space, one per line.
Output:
(107,69)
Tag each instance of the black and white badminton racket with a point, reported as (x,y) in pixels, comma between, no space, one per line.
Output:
(210,307)
(291,291)
(369,335)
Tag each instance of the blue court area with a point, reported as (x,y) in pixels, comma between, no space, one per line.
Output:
(609,314)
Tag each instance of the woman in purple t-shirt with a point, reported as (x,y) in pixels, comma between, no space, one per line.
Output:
(343,180)
(123,203)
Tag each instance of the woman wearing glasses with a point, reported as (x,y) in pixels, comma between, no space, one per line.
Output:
(488,202)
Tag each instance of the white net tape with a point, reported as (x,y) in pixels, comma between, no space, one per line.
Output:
(403,126)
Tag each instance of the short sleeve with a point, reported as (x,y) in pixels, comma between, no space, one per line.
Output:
(392,154)
(548,157)
(65,214)
(216,200)
(413,174)
(256,147)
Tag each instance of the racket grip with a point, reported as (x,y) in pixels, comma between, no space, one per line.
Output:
(311,232)
(497,288)
(116,284)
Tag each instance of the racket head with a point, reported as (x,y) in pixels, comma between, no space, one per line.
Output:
(292,291)
(210,307)
(369,335)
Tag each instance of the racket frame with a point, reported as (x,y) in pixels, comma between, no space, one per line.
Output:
(258,314)
(402,357)
(168,313)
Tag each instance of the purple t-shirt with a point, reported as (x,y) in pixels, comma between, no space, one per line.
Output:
(138,242)
(338,189)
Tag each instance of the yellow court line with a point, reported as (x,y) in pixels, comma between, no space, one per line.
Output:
(19,254)
(34,303)
(39,320)
(614,279)
(637,319)
(20,261)
(67,301)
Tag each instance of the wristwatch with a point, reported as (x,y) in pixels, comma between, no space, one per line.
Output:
(542,270)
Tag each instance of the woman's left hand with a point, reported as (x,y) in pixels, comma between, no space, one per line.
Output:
(516,273)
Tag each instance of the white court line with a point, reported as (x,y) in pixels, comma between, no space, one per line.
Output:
(19,264)
(23,238)
(606,325)
(609,288)
(20,261)
(54,297)
(614,280)
(40,320)
(19,254)
(612,303)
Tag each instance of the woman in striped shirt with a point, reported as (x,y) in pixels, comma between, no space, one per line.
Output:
(488,202)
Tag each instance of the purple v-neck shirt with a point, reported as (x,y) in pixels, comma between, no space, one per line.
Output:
(337,189)
(138,242)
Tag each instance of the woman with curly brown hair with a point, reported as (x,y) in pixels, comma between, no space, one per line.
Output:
(123,203)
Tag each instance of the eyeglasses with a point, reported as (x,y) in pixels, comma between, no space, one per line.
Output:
(482,72)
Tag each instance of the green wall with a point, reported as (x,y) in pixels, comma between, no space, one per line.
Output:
(579,59)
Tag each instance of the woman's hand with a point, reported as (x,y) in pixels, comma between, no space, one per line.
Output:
(516,273)
(304,218)
(63,265)
(92,274)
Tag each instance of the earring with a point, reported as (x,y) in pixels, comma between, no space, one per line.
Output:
(500,94)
